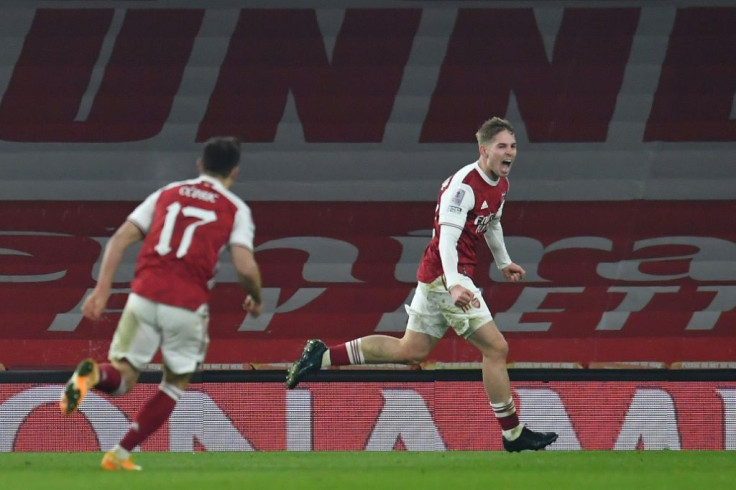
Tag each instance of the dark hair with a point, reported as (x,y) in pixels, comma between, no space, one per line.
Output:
(221,155)
(490,128)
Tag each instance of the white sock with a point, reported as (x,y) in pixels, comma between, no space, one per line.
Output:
(326,362)
(121,389)
(355,351)
(170,390)
(513,434)
(503,410)
(121,452)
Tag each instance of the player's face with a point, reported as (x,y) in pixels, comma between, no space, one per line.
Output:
(500,154)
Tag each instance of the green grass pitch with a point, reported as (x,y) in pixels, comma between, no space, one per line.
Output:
(597,470)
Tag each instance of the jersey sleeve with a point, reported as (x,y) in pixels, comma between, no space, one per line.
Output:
(455,203)
(142,215)
(495,241)
(243,228)
(449,235)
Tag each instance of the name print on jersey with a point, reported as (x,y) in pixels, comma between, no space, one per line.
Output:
(196,193)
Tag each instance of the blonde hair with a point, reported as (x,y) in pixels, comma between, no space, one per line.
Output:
(490,128)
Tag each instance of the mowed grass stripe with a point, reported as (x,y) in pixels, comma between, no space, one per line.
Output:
(598,470)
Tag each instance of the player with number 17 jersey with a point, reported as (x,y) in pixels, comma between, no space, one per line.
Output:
(186,226)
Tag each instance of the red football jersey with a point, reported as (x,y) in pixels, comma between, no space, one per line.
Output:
(468,200)
(187,224)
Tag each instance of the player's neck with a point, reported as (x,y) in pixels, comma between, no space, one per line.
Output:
(485,166)
(227,182)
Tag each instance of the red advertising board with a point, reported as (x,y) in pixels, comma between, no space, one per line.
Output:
(381,416)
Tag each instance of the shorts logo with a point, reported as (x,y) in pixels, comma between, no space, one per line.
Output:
(458,197)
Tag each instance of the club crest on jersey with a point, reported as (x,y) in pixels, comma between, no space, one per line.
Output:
(458,197)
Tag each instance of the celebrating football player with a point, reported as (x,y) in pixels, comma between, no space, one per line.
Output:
(184,227)
(468,209)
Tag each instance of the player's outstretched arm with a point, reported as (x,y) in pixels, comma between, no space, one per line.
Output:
(124,237)
(249,276)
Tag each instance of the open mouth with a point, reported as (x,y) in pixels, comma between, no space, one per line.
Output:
(506,162)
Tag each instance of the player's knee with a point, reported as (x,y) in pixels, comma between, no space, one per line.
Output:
(181,381)
(415,355)
(129,375)
(499,348)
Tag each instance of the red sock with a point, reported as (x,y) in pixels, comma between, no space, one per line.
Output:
(347,353)
(506,414)
(508,423)
(109,378)
(151,416)
(339,355)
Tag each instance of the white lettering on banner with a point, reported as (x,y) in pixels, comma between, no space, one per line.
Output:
(108,422)
(530,301)
(69,321)
(405,417)
(543,409)
(714,260)
(197,415)
(729,418)
(332,261)
(329,260)
(270,296)
(412,247)
(724,300)
(51,276)
(636,299)
(48,277)
(395,321)
(528,253)
(298,420)
(651,419)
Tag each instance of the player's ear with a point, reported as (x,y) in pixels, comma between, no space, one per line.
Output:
(200,165)
(234,172)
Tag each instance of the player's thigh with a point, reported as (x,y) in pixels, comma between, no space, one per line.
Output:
(444,311)
(425,311)
(489,340)
(465,322)
(417,345)
(185,338)
(136,337)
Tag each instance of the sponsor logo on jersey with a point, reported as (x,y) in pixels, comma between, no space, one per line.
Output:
(482,223)
(455,209)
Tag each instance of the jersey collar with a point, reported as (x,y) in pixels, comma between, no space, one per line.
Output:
(212,180)
(488,180)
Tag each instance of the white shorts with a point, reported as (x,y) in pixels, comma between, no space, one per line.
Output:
(432,311)
(146,325)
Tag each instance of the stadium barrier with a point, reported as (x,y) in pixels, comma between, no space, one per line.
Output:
(384,410)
